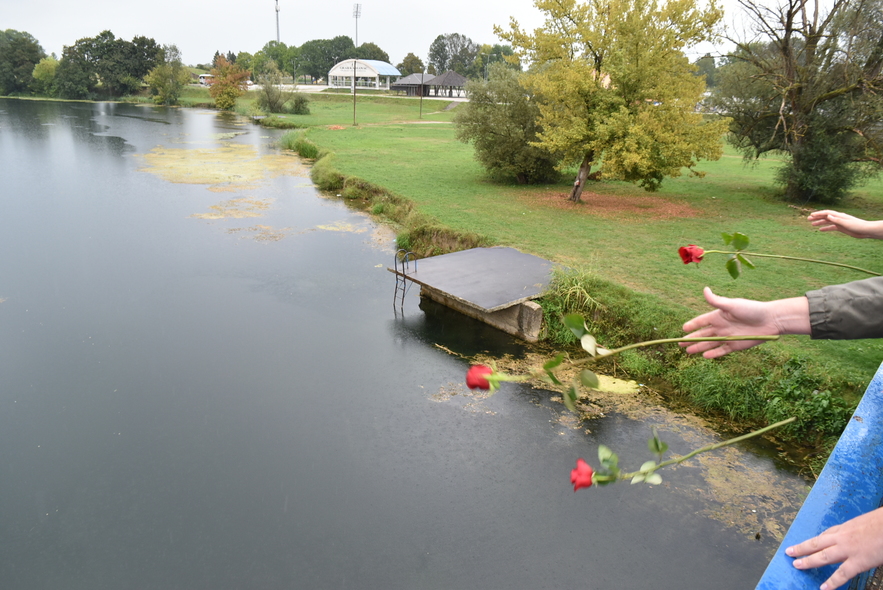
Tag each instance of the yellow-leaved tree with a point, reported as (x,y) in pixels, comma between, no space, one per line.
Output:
(615,88)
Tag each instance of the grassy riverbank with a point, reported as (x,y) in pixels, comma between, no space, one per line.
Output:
(624,242)
(404,164)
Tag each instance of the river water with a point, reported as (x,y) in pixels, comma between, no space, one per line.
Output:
(204,385)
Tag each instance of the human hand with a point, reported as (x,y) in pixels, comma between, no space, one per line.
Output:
(828,220)
(856,544)
(735,317)
(731,317)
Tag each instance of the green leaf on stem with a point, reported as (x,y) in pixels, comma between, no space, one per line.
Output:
(609,461)
(553,378)
(656,446)
(653,479)
(589,344)
(745,261)
(576,323)
(569,398)
(589,379)
(604,453)
(638,478)
(648,466)
(559,358)
(727,238)
(733,267)
(740,241)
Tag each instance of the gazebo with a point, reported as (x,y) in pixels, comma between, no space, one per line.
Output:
(450,83)
(368,73)
(412,84)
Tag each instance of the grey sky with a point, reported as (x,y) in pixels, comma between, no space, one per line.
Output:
(200,27)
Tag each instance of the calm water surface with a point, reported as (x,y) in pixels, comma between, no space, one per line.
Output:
(227,403)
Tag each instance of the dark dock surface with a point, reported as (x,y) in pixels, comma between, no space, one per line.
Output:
(489,279)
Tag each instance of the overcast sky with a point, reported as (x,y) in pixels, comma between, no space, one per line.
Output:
(201,27)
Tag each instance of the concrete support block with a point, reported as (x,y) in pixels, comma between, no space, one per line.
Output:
(523,320)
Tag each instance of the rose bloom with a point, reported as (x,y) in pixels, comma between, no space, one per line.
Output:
(691,253)
(581,477)
(476,377)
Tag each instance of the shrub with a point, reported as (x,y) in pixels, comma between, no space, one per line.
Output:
(325,175)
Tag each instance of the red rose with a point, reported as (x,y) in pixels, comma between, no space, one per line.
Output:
(691,253)
(476,377)
(581,477)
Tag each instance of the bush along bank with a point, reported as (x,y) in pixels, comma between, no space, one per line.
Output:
(757,387)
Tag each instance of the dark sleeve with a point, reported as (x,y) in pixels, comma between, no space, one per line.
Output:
(847,312)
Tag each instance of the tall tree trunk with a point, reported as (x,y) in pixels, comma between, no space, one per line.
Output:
(581,178)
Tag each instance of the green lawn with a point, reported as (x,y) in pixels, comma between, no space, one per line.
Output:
(422,161)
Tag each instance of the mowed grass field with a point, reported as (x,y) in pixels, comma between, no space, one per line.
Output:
(620,232)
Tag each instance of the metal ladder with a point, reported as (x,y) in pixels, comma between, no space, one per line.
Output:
(404,258)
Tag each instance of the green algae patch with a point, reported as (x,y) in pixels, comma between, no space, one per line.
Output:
(342,226)
(261,233)
(730,485)
(232,164)
(236,209)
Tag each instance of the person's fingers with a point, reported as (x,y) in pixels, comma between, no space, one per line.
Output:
(697,347)
(843,574)
(821,541)
(701,326)
(730,346)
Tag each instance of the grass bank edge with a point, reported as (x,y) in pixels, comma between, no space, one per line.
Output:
(757,387)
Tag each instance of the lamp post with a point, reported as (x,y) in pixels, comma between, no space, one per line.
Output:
(488,63)
(357,12)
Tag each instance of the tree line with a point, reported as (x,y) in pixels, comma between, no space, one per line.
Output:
(611,92)
(107,67)
(608,90)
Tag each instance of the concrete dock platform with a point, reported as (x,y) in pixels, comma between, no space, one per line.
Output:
(494,285)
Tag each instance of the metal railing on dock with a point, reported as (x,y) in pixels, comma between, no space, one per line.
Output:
(403,258)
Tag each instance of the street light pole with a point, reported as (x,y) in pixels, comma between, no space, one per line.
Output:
(357,12)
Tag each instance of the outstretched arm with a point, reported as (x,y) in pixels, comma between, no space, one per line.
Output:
(828,220)
(737,317)
(856,544)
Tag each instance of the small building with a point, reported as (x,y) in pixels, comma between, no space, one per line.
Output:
(412,84)
(205,79)
(448,84)
(368,73)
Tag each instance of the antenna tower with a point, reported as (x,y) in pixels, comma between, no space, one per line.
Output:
(277,21)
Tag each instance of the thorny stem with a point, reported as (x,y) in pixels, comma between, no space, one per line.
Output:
(671,341)
(710,447)
(870,272)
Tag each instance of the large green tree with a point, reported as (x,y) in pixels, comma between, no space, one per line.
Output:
(317,57)
(283,56)
(105,66)
(616,89)
(501,120)
(19,53)
(371,51)
(808,84)
(488,54)
(167,80)
(411,65)
(44,76)
(452,52)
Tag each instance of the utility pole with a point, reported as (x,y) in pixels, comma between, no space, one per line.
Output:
(277,21)
(354,91)
(357,12)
